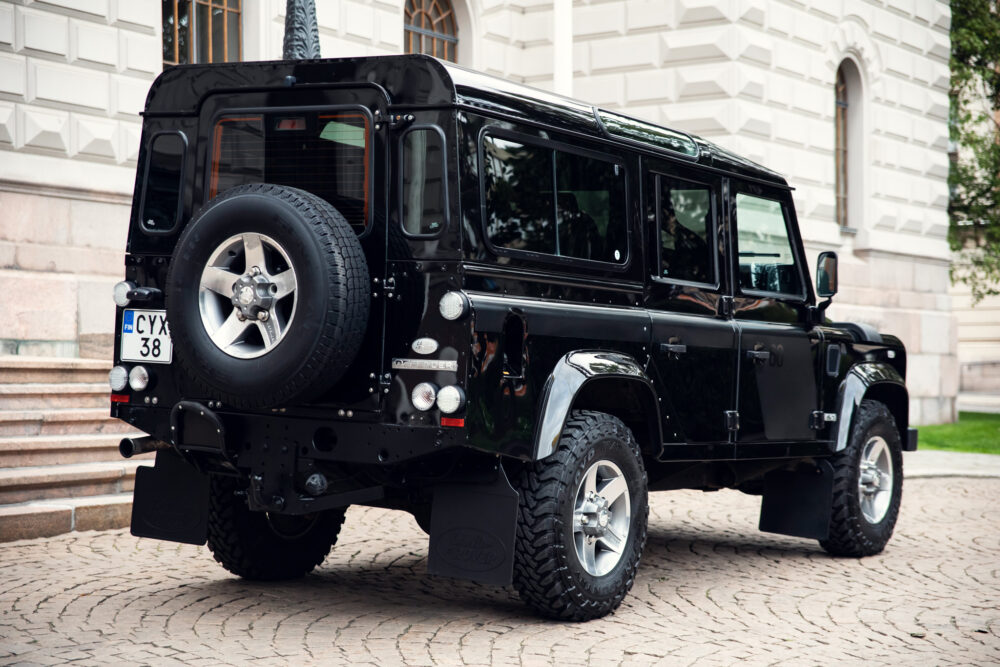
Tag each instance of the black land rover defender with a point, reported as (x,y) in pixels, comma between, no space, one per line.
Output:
(395,282)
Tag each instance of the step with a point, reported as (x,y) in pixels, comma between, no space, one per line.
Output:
(18,370)
(37,395)
(59,422)
(969,401)
(45,518)
(74,480)
(43,450)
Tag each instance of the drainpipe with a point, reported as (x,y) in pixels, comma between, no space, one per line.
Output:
(301,30)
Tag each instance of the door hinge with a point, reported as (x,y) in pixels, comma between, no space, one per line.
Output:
(819,419)
(733,420)
(392,121)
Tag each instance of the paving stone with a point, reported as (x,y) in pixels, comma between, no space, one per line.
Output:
(710,590)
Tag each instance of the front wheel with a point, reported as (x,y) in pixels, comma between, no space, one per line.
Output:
(867,485)
(582,520)
(264,546)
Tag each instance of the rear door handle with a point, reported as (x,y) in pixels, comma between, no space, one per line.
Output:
(758,356)
(673,348)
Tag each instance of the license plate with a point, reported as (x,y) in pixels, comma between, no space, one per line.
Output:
(146,337)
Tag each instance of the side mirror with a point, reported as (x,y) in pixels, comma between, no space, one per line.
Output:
(826,274)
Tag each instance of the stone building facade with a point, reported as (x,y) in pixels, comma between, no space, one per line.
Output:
(756,76)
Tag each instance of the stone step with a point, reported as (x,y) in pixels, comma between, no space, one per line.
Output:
(20,451)
(74,480)
(59,422)
(45,518)
(48,370)
(35,395)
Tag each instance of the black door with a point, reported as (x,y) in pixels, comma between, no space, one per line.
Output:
(778,349)
(693,344)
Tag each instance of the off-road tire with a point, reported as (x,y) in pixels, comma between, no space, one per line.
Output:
(851,534)
(547,572)
(331,315)
(247,544)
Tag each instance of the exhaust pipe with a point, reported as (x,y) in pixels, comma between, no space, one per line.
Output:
(129,447)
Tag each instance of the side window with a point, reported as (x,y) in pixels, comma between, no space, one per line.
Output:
(424,186)
(161,197)
(325,153)
(684,210)
(590,208)
(519,210)
(767,263)
(554,202)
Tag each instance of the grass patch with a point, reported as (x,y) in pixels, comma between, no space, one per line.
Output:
(973,432)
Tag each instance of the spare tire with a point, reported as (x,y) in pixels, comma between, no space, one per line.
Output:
(267,296)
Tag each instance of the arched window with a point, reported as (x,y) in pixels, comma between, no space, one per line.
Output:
(841,147)
(849,148)
(430,27)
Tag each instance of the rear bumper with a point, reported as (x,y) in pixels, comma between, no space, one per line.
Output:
(911,440)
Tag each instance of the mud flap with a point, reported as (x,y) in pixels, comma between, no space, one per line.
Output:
(170,501)
(472,531)
(798,502)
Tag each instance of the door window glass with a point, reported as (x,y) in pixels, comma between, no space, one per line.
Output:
(685,215)
(424,204)
(767,263)
(586,219)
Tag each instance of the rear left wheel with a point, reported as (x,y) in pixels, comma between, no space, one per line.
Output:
(582,520)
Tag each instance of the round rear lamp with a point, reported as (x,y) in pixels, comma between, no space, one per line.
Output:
(138,379)
(453,305)
(121,292)
(423,396)
(118,378)
(451,399)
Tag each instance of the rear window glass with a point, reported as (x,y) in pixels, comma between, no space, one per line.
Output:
(585,218)
(162,197)
(424,201)
(324,153)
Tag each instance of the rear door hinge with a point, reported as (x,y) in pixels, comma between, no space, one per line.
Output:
(819,419)
(392,121)
(733,420)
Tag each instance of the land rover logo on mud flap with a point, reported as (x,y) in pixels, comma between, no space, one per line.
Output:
(471,549)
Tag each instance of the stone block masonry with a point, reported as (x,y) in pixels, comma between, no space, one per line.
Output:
(73,79)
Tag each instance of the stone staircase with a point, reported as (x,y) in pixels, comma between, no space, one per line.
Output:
(60,469)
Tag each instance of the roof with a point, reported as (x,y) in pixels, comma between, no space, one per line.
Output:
(415,80)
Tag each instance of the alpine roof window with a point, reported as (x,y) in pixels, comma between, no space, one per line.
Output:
(544,200)
(322,152)
(766,259)
(647,133)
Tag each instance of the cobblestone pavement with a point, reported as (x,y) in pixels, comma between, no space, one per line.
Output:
(711,590)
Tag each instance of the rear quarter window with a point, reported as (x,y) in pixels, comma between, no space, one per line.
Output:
(556,202)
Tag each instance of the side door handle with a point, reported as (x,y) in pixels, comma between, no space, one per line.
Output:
(758,356)
(673,348)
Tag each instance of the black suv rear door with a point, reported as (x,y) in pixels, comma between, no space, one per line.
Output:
(694,343)
(778,349)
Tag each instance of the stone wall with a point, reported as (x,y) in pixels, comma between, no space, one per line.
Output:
(73,78)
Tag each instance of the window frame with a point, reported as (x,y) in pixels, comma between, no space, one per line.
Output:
(444,179)
(180,186)
(192,50)
(794,243)
(551,144)
(712,242)
(265,112)
(449,39)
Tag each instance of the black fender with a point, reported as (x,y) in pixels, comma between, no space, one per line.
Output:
(580,369)
(876,380)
